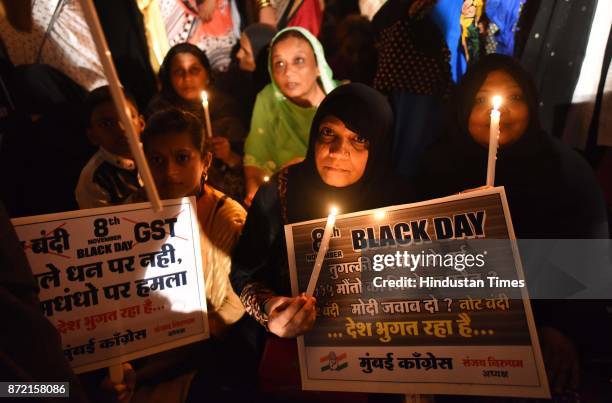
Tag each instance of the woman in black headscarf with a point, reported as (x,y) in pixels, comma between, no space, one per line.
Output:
(552,194)
(251,74)
(253,54)
(551,190)
(347,162)
(184,74)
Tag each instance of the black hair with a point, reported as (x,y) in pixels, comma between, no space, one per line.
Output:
(164,70)
(172,121)
(99,96)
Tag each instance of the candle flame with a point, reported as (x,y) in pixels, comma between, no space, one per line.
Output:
(204,96)
(333,210)
(266,178)
(497,101)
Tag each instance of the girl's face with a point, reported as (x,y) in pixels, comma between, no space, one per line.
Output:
(188,77)
(514,111)
(294,68)
(341,155)
(176,165)
(245,54)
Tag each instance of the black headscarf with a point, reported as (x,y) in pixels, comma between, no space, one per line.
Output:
(260,35)
(542,176)
(471,83)
(365,111)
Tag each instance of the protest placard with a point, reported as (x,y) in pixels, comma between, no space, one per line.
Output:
(119,282)
(426,298)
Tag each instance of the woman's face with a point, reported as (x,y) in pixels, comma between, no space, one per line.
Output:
(188,77)
(294,68)
(245,54)
(514,111)
(341,155)
(176,165)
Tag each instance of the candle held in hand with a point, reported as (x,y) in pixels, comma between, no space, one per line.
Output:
(323,247)
(493,140)
(209,132)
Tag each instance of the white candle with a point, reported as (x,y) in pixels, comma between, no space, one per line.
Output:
(209,132)
(329,229)
(493,140)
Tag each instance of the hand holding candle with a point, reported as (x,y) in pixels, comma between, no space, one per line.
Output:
(291,317)
(209,132)
(329,229)
(493,140)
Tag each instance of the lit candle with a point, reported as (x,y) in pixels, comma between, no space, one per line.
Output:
(329,228)
(493,140)
(266,178)
(209,132)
